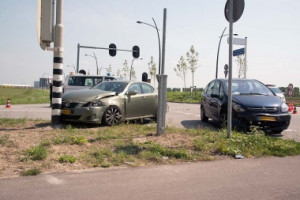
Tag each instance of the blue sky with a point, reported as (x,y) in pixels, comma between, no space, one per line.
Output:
(272,29)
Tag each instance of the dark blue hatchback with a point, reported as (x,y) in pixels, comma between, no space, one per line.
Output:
(252,104)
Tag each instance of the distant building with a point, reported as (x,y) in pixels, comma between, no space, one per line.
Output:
(44,83)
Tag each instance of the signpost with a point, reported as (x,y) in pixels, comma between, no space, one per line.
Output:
(233,11)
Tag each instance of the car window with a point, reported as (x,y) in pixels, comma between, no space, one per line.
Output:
(249,87)
(111,86)
(88,82)
(76,81)
(147,88)
(109,79)
(210,88)
(97,80)
(216,88)
(135,87)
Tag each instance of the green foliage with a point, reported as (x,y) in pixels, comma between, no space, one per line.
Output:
(37,153)
(67,159)
(79,140)
(184,97)
(31,172)
(11,122)
(23,96)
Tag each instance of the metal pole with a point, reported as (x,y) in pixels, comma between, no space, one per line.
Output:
(229,106)
(78,53)
(245,65)
(217,62)
(162,87)
(96,62)
(57,86)
(159,48)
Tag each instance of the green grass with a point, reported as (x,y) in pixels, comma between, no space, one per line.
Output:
(184,97)
(31,172)
(137,145)
(67,159)
(23,96)
(11,122)
(37,153)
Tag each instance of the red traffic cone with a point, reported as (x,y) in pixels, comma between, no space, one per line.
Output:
(291,107)
(295,110)
(8,103)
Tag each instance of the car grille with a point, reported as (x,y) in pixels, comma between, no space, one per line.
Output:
(70,117)
(264,109)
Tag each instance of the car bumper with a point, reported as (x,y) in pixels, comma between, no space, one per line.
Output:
(91,115)
(268,122)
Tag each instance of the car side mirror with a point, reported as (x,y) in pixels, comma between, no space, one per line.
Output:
(131,93)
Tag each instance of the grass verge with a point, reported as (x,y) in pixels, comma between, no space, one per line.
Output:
(128,144)
(24,96)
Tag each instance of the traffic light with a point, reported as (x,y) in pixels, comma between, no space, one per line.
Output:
(144,77)
(136,51)
(112,49)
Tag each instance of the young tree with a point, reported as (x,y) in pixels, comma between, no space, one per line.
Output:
(181,69)
(109,70)
(152,69)
(125,69)
(240,60)
(133,73)
(192,59)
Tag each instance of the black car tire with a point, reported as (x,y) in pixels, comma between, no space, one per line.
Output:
(204,118)
(223,120)
(112,116)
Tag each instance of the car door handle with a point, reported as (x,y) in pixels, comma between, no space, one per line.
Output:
(143,97)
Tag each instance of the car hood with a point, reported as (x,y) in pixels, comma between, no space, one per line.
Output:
(86,95)
(257,100)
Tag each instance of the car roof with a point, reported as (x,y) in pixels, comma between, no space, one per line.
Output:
(82,75)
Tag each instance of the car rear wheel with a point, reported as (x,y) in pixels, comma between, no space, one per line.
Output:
(112,116)
(204,118)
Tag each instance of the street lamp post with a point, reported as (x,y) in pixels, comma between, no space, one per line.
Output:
(159,48)
(95,57)
(132,65)
(217,62)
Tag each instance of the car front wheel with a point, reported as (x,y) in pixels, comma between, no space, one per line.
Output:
(112,116)
(223,120)
(204,118)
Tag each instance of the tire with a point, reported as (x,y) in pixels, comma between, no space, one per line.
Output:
(223,120)
(204,118)
(112,116)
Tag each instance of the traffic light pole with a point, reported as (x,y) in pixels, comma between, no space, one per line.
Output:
(162,87)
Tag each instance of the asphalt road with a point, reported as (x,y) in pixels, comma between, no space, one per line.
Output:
(262,178)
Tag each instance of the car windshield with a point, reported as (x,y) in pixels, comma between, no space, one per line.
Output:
(276,90)
(249,87)
(111,86)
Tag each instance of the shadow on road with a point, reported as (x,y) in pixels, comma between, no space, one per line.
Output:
(197,124)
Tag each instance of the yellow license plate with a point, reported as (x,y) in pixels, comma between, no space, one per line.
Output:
(66,112)
(266,118)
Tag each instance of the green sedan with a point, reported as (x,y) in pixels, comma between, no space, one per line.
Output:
(110,103)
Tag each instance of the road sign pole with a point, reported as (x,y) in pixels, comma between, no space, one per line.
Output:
(245,64)
(229,105)
(57,83)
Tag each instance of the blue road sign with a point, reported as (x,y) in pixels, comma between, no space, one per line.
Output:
(239,52)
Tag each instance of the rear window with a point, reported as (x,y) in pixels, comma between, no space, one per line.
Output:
(87,81)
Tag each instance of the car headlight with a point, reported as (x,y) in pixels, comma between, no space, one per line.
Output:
(284,108)
(237,107)
(96,104)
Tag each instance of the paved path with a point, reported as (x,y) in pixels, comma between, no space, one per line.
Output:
(263,178)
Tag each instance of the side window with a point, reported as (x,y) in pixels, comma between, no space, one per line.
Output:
(88,82)
(97,80)
(77,81)
(221,92)
(135,87)
(147,88)
(210,88)
(109,78)
(216,88)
